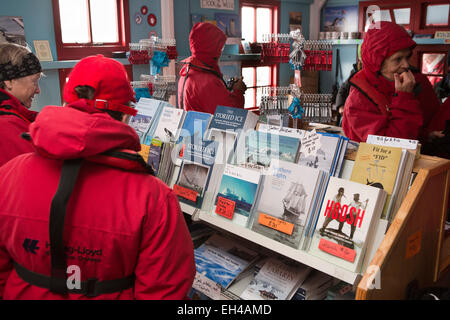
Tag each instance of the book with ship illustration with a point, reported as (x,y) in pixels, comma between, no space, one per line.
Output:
(287,198)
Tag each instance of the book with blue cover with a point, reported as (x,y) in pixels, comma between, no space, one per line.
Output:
(227,126)
(194,128)
(240,187)
(147,112)
(221,259)
(196,171)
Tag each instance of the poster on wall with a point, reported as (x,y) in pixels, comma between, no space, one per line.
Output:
(295,21)
(217,4)
(341,19)
(229,23)
(12,30)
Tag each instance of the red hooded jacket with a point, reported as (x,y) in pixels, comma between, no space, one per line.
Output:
(118,222)
(200,86)
(14,120)
(410,114)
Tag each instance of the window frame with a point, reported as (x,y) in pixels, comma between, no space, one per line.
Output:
(75,51)
(274,68)
(420,24)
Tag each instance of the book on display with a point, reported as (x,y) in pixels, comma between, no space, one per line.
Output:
(288,196)
(236,194)
(345,224)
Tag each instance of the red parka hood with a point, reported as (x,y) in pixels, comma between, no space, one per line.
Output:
(206,42)
(380,42)
(78,131)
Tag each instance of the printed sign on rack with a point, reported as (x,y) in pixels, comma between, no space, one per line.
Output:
(217,4)
(310,143)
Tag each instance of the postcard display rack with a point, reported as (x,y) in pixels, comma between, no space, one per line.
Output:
(158,52)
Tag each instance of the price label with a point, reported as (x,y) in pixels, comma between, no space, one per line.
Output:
(310,143)
(185,193)
(207,286)
(414,244)
(225,207)
(337,250)
(275,223)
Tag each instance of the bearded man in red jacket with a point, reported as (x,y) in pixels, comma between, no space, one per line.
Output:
(386,98)
(201,86)
(81,217)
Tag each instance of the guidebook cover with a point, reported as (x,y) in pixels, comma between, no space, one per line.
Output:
(286,201)
(239,188)
(222,260)
(345,222)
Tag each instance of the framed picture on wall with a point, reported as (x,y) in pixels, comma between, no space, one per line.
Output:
(42,48)
(12,30)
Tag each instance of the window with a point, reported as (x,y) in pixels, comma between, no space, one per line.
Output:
(398,11)
(259,17)
(87,27)
(437,15)
(433,66)
(256,79)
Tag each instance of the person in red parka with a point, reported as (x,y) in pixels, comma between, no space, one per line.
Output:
(386,98)
(81,217)
(20,72)
(201,86)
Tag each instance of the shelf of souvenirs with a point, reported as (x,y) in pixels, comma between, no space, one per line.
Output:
(51,65)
